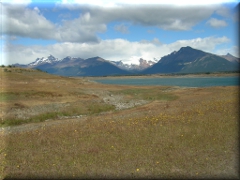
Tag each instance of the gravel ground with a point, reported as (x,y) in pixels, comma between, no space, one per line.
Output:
(119,101)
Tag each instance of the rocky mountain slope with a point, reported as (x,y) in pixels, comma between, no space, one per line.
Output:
(231,58)
(189,60)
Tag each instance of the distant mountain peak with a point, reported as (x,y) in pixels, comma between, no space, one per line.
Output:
(228,54)
(50,55)
(96,57)
(231,58)
(50,59)
(100,59)
(186,48)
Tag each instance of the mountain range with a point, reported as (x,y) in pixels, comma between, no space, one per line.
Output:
(186,60)
(72,66)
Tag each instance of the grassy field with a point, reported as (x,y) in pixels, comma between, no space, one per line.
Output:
(161,132)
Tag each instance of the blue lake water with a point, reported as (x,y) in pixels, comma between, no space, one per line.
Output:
(175,81)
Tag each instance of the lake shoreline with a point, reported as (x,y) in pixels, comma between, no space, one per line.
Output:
(184,81)
(165,76)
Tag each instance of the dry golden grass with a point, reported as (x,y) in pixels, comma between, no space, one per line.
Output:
(192,136)
(33,96)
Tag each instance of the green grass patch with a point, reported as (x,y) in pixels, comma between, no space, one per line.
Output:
(34,119)
(88,109)
(8,96)
(96,108)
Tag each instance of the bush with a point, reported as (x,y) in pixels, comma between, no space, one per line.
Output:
(39,69)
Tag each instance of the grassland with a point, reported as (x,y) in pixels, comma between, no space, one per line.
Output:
(59,127)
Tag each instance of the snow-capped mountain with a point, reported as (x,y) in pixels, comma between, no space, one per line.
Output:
(68,66)
(143,64)
(50,59)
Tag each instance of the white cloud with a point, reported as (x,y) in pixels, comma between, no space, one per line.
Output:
(116,49)
(216,23)
(166,17)
(25,2)
(121,28)
(207,44)
(223,11)
(154,41)
(81,29)
(36,9)
(21,21)
(114,3)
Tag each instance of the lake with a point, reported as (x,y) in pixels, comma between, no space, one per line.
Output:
(174,81)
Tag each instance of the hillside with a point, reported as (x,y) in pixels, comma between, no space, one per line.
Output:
(189,60)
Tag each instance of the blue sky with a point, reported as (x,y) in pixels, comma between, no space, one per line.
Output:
(115,30)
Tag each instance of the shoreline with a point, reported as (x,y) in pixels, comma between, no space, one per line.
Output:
(164,76)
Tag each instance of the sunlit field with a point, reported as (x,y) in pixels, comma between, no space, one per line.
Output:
(59,127)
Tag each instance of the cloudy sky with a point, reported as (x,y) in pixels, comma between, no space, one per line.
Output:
(115,29)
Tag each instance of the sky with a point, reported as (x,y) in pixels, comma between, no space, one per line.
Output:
(125,30)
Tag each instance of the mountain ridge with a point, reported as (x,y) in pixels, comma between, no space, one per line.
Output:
(95,66)
(185,60)
(190,60)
